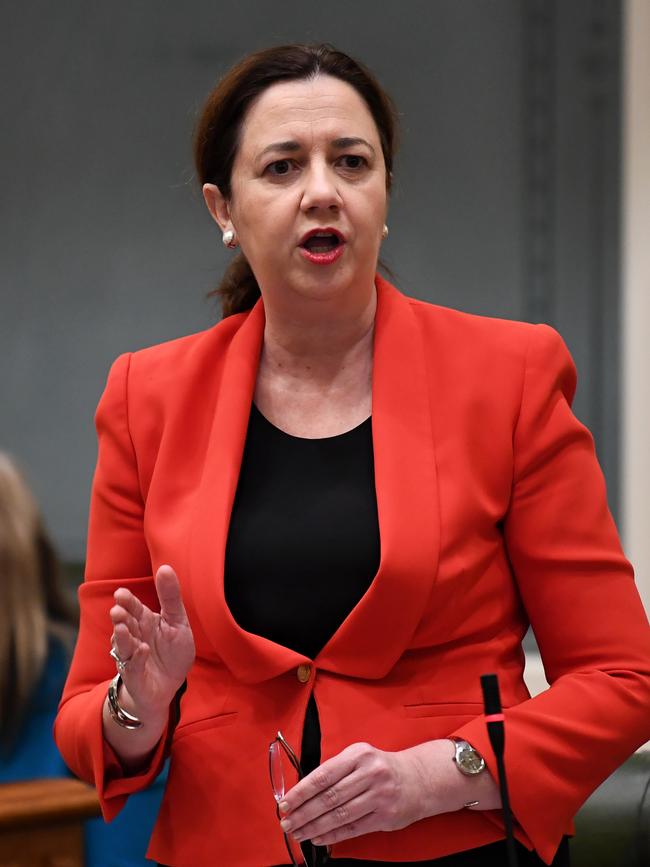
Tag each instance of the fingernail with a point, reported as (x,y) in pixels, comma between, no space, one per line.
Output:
(285,824)
(283,807)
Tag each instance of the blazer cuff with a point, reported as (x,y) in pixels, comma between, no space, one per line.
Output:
(536,832)
(105,771)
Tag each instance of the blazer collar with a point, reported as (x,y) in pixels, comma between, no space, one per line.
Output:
(379,628)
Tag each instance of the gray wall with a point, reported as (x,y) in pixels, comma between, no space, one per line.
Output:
(509,114)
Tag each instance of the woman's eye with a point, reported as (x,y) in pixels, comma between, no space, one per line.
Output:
(279,167)
(354,161)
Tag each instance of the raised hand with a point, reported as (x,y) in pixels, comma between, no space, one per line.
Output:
(158,649)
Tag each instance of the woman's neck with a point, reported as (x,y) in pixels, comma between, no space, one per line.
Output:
(318,348)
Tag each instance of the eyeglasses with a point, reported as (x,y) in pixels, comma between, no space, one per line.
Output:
(281,756)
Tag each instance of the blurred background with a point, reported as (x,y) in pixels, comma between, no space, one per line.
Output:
(522,191)
(509,197)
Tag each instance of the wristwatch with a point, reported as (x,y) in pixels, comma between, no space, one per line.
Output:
(468,760)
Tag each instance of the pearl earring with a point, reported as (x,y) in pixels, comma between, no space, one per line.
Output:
(228,238)
(384,232)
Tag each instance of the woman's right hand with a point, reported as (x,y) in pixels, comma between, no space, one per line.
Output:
(159,647)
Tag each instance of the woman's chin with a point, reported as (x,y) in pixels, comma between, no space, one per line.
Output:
(315,282)
(334,284)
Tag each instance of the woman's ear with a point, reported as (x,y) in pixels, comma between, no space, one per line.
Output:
(218,206)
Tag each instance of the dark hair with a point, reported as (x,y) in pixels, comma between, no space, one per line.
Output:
(217,132)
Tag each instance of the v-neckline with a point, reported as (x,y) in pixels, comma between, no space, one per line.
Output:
(407,502)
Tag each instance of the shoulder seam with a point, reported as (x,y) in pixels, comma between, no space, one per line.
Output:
(129,356)
(524,379)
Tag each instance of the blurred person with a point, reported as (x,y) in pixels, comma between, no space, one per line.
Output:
(326,517)
(38,629)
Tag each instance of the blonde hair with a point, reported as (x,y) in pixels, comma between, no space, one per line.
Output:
(33,604)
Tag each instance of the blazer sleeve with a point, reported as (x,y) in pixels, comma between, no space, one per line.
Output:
(117,556)
(579,593)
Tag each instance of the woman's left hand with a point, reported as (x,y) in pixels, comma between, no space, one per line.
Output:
(364,789)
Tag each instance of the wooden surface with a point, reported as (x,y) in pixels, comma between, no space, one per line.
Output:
(41,822)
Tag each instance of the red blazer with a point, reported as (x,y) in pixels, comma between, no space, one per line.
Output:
(492,514)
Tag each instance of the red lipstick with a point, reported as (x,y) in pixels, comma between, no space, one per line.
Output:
(325,251)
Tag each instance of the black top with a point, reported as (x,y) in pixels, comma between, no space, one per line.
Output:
(302,549)
(303,544)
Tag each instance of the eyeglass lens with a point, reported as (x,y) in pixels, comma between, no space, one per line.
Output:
(281,765)
(277,771)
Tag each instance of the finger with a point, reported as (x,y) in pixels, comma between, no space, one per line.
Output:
(331,799)
(168,589)
(135,665)
(133,680)
(125,643)
(324,777)
(364,825)
(344,814)
(121,615)
(129,602)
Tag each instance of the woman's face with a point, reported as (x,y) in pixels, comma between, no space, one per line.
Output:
(309,158)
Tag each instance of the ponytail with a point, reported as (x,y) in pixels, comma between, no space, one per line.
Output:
(238,289)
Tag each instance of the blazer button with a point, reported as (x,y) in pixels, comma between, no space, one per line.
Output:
(303,673)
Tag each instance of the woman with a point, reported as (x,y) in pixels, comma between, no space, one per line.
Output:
(37,631)
(363,500)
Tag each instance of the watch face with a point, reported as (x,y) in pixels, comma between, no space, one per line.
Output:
(468,760)
(472,762)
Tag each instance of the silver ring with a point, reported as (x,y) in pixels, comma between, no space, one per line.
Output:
(121,663)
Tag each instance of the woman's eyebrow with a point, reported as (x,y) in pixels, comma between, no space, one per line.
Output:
(292,146)
(351,141)
(283,146)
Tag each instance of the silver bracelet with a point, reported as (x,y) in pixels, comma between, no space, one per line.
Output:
(121,717)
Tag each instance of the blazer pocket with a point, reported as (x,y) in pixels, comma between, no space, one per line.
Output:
(438,708)
(200,725)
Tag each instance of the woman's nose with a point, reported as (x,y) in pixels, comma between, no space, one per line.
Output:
(320,189)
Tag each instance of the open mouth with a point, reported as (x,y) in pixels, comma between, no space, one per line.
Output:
(321,243)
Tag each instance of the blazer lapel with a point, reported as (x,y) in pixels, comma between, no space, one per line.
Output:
(251,658)
(376,632)
(379,628)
